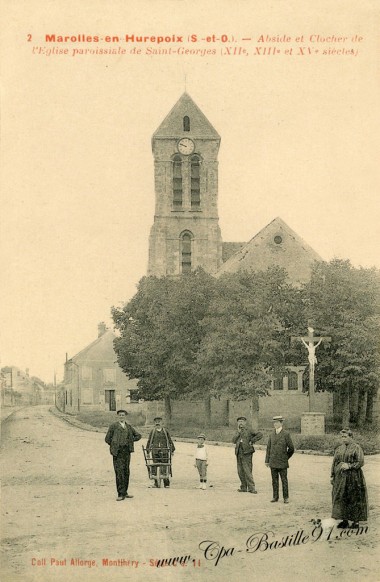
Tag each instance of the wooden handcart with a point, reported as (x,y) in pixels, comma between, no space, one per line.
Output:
(158,462)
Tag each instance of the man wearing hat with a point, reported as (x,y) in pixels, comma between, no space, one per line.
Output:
(279,450)
(120,437)
(159,441)
(244,449)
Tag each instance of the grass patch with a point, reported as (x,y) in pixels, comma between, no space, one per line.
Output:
(102,418)
(367,439)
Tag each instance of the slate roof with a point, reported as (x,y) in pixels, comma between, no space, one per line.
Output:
(98,350)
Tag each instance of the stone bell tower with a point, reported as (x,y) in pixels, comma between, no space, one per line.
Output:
(185,233)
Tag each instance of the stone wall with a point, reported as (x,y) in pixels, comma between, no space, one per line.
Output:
(225,412)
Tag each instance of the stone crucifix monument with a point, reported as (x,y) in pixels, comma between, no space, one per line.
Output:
(313,422)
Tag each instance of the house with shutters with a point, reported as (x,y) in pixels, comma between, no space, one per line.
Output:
(93,379)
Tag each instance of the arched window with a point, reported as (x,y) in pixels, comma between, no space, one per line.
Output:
(177,182)
(186,252)
(292,381)
(186,123)
(195,165)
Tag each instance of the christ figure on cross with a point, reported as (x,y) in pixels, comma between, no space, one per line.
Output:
(311,347)
(311,343)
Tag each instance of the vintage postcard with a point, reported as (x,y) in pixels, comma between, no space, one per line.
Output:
(151,138)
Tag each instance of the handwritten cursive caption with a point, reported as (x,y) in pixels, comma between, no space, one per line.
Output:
(267,541)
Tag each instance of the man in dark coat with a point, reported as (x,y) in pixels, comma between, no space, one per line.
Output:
(244,449)
(159,442)
(120,437)
(279,450)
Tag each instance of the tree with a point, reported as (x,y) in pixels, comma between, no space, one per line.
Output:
(160,333)
(196,336)
(247,334)
(344,303)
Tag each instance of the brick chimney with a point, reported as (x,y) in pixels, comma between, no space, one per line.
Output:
(102,328)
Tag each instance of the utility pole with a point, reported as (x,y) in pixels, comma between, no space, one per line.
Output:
(78,390)
(12,395)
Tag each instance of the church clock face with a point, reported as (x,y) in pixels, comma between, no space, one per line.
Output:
(185,146)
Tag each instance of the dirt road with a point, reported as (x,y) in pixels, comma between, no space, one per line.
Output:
(60,520)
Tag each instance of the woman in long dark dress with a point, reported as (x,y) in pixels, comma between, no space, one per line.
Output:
(349,493)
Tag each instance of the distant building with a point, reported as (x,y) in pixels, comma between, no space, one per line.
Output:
(18,388)
(93,379)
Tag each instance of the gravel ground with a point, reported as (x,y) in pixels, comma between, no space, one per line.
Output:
(60,520)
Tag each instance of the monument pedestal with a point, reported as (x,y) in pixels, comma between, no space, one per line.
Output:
(313,423)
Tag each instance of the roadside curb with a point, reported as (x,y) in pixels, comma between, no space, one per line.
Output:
(74,422)
(5,414)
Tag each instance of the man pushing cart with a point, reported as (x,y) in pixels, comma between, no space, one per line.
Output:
(158,454)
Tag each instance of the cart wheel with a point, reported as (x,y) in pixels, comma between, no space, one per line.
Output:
(158,477)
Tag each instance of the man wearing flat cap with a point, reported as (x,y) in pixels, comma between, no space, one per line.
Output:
(120,437)
(244,439)
(279,450)
(159,441)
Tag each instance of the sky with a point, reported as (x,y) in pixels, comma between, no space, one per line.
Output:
(299,140)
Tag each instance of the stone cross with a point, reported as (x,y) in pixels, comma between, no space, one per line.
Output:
(311,343)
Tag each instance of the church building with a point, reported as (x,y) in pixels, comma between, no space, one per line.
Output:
(186,233)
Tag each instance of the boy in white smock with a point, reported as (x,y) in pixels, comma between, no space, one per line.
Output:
(201,461)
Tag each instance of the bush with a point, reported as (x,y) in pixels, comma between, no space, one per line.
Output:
(329,442)
(367,439)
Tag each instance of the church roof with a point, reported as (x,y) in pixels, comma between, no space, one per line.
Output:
(230,248)
(172,126)
(276,244)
